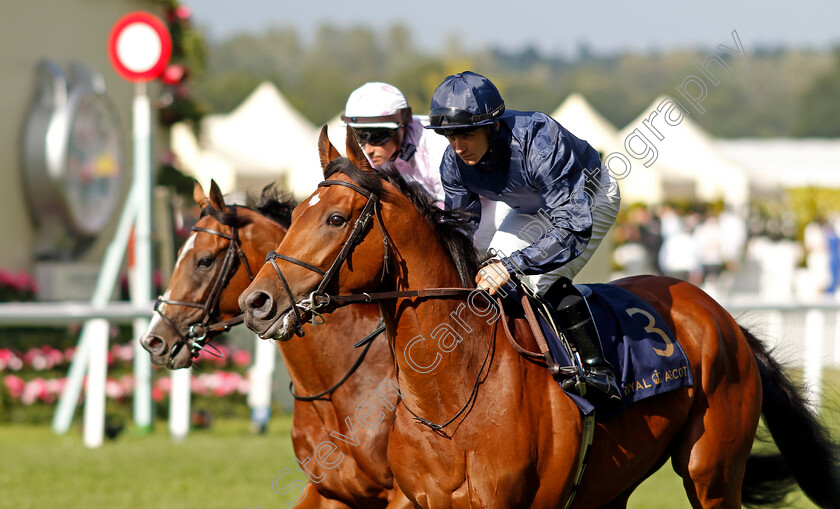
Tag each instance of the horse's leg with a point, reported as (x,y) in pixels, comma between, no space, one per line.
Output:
(711,454)
(314,500)
(398,500)
(711,450)
(618,503)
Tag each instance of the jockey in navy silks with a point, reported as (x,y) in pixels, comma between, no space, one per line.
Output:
(562,202)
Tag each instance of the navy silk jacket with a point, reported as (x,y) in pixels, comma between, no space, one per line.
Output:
(535,166)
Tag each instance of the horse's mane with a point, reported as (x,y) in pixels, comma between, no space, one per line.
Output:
(450,225)
(273,204)
(276,205)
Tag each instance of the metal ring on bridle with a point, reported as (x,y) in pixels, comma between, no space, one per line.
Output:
(195,336)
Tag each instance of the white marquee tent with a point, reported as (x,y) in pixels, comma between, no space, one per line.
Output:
(263,140)
(585,122)
(337,131)
(578,116)
(685,154)
(777,163)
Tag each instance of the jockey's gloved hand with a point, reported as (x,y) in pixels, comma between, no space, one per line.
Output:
(492,276)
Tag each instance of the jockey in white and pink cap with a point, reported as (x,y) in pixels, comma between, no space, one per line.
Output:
(387,131)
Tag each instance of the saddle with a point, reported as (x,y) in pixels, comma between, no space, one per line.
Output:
(548,335)
(637,342)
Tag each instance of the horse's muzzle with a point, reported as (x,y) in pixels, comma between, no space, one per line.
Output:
(260,312)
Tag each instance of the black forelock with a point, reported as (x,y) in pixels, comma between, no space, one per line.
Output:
(276,205)
(364,178)
(227,218)
(273,204)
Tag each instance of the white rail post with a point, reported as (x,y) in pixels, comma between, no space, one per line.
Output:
(814,339)
(105,282)
(835,358)
(94,415)
(179,404)
(141,282)
(260,378)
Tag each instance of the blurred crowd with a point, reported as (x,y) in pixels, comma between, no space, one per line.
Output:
(751,255)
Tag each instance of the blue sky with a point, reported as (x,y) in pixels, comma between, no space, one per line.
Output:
(552,26)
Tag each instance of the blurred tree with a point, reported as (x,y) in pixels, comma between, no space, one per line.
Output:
(820,114)
(762,95)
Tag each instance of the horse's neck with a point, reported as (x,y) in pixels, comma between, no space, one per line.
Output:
(325,354)
(440,344)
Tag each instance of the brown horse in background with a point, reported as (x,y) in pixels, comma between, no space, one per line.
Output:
(227,246)
(482,426)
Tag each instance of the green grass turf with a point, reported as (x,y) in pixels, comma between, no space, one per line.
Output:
(224,467)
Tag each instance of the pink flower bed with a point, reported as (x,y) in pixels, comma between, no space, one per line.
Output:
(215,376)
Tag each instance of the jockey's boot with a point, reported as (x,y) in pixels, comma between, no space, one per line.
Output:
(575,320)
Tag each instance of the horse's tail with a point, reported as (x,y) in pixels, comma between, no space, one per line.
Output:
(809,455)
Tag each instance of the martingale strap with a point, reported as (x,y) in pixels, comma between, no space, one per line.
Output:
(367,341)
(438,428)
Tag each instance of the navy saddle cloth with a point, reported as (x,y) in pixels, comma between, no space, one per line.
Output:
(637,342)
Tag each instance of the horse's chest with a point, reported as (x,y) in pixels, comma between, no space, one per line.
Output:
(455,473)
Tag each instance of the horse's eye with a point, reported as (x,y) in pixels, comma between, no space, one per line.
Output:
(336,220)
(205,262)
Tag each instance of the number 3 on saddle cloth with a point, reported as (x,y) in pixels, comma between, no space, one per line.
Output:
(637,342)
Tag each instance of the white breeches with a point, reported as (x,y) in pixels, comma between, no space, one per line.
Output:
(518,231)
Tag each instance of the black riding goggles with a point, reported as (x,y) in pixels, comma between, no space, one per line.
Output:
(442,117)
(375,137)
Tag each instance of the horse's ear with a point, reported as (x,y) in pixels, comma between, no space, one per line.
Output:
(216,197)
(326,149)
(354,151)
(200,198)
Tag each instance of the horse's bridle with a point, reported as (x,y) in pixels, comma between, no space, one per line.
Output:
(197,335)
(198,340)
(319,299)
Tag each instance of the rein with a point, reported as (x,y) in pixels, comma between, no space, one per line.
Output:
(197,335)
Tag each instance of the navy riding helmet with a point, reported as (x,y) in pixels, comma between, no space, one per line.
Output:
(465,101)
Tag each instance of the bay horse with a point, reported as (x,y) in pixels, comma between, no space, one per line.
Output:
(228,245)
(480,425)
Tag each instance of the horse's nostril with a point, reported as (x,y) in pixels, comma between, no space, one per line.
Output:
(259,304)
(154,345)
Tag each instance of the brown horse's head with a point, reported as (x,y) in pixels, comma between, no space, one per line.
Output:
(324,224)
(346,238)
(227,246)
